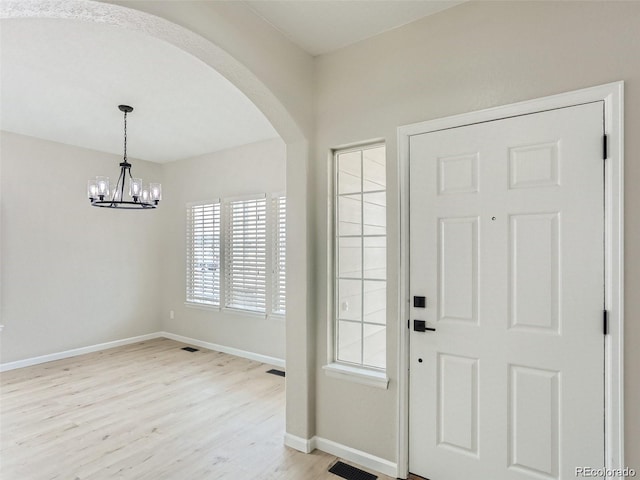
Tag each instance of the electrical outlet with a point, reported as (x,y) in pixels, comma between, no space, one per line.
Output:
(172,315)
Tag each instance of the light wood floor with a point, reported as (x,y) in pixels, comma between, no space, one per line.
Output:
(149,411)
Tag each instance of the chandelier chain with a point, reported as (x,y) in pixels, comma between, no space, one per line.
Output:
(125,136)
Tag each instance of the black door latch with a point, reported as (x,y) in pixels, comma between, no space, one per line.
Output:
(421,326)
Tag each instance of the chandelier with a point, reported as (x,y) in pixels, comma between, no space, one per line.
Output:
(102,195)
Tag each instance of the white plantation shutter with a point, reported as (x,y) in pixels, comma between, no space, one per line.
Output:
(203,253)
(278,248)
(246,254)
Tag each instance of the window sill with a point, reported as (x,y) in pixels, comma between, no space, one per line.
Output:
(202,306)
(235,311)
(245,313)
(361,375)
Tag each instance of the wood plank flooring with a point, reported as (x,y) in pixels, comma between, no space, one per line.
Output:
(149,411)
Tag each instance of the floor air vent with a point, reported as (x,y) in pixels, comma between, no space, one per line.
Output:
(190,349)
(273,371)
(350,473)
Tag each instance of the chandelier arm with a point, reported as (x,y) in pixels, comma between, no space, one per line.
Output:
(124,205)
(115,190)
(124,179)
(131,179)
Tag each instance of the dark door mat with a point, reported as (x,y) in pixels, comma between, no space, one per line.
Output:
(274,371)
(350,473)
(190,349)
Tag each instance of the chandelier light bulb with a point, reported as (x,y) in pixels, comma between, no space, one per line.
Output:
(135,188)
(155,190)
(103,186)
(92,189)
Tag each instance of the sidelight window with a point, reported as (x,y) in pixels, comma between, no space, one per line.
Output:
(360,250)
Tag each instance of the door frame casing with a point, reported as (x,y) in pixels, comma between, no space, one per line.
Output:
(612,94)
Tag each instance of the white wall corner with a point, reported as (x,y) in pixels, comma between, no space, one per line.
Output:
(304,445)
(365,459)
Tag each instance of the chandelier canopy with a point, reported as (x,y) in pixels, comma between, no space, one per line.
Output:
(102,195)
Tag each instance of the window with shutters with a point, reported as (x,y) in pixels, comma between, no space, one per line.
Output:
(203,253)
(246,254)
(236,254)
(360,253)
(278,255)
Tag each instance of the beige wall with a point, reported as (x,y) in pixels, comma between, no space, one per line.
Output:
(116,274)
(75,276)
(473,56)
(72,275)
(255,168)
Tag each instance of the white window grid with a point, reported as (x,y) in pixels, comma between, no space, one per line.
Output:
(336,246)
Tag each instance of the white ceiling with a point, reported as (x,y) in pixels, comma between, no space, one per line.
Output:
(321,26)
(62,80)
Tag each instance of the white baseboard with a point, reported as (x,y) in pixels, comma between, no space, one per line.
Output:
(277,362)
(303,445)
(27,362)
(359,457)
(365,459)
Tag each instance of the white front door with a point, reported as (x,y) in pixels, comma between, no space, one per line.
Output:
(506,244)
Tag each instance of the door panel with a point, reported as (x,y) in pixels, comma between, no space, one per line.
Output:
(458,266)
(506,243)
(534,270)
(534,421)
(458,403)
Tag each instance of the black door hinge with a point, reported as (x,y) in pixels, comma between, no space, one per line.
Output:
(409,324)
(605,146)
(605,322)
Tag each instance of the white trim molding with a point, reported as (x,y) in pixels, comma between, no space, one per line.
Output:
(365,459)
(258,357)
(27,362)
(360,375)
(612,95)
(304,445)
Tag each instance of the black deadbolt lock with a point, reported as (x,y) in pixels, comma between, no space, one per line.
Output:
(419,302)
